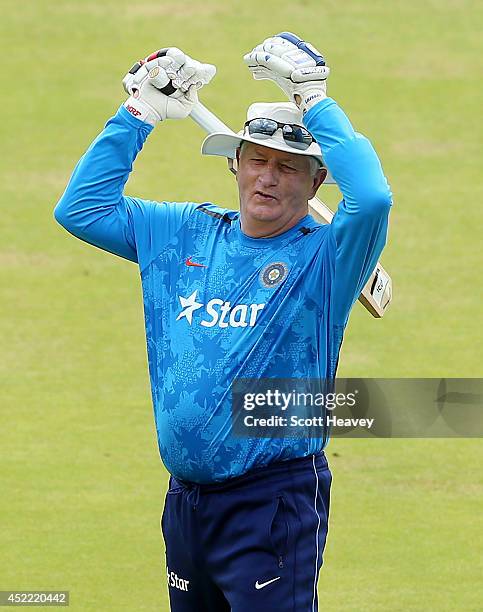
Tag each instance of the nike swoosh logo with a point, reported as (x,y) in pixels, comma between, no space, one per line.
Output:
(188,262)
(260,585)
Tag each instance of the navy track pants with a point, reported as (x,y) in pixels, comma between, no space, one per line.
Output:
(251,543)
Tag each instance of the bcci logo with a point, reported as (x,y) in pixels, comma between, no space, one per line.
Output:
(273,274)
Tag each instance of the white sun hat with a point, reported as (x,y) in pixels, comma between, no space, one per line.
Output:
(225,144)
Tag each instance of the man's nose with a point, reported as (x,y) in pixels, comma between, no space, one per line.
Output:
(268,175)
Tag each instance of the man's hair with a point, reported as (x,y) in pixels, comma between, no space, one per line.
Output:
(314,163)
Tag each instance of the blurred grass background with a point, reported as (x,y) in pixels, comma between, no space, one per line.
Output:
(80,474)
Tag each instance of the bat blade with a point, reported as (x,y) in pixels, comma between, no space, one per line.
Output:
(377,293)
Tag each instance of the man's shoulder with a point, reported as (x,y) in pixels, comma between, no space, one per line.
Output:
(199,215)
(182,209)
(213,211)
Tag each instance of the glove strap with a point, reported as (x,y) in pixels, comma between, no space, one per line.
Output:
(310,98)
(142,111)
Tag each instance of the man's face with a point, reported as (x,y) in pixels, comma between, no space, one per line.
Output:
(274,186)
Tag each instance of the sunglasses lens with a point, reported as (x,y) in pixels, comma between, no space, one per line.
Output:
(294,135)
(297,137)
(262,128)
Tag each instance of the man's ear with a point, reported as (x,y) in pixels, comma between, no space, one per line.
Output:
(234,163)
(319,178)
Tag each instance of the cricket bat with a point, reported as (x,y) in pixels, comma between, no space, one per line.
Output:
(377,293)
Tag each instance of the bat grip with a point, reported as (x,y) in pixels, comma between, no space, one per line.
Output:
(207,120)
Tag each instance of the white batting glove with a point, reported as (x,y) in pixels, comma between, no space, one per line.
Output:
(165,85)
(294,65)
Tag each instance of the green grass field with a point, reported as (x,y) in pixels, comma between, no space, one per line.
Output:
(81,483)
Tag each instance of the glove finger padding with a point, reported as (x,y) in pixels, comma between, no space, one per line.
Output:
(267,60)
(157,77)
(316,73)
(204,75)
(264,65)
(294,65)
(164,85)
(194,73)
(178,58)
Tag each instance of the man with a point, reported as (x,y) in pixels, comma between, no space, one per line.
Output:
(264,293)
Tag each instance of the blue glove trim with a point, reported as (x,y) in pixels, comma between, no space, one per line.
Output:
(301,44)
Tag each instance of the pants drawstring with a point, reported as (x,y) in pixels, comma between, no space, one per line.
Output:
(193,495)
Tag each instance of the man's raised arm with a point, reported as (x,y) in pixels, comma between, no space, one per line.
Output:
(93,207)
(359,227)
(360,223)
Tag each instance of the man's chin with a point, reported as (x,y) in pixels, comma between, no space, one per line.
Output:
(264,212)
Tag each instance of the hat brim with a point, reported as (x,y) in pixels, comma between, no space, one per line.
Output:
(225,144)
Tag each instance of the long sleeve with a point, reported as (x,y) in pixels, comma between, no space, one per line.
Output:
(360,224)
(94,209)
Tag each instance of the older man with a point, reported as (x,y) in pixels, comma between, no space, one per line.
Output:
(264,293)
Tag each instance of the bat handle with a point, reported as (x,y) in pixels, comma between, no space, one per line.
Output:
(207,120)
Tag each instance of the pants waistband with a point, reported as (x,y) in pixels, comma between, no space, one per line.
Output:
(270,470)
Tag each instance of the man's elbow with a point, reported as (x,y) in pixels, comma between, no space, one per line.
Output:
(382,199)
(61,213)
(376,201)
(68,215)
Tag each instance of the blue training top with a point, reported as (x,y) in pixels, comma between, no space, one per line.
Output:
(252,307)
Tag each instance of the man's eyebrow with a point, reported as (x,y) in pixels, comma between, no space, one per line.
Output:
(258,151)
(288,160)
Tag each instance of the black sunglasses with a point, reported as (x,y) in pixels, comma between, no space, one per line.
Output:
(295,136)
